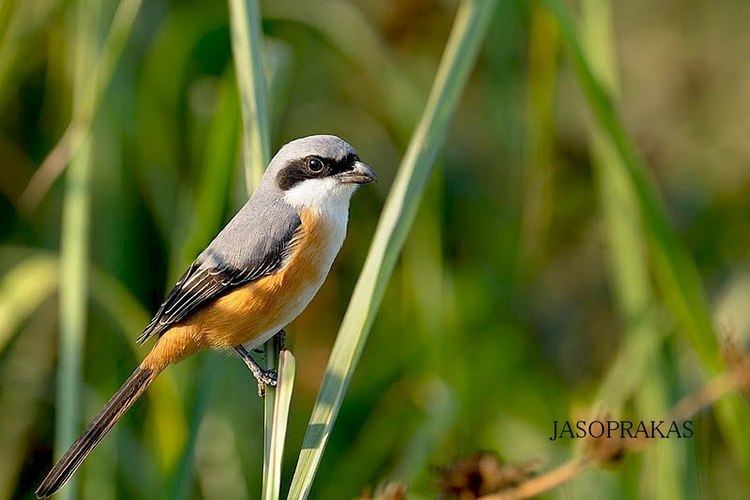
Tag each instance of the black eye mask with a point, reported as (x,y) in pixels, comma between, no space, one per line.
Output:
(308,168)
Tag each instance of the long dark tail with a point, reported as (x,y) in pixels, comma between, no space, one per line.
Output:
(123,399)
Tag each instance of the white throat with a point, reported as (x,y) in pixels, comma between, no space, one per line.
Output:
(327,197)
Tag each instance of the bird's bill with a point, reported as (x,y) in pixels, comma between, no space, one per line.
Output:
(360,174)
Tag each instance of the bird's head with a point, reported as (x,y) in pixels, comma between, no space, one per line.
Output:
(317,171)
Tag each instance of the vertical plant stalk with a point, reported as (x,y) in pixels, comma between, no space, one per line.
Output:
(276,435)
(73,293)
(677,274)
(629,271)
(472,20)
(271,469)
(626,250)
(247,50)
(74,255)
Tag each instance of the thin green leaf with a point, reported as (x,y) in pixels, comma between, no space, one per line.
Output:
(640,364)
(74,256)
(627,261)
(469,29)
(681,282)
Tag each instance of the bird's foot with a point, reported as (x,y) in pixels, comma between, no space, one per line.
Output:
(263,377)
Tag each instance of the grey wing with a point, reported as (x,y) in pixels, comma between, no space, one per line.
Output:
(214,274)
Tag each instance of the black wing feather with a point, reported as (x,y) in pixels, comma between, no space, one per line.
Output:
(203,283)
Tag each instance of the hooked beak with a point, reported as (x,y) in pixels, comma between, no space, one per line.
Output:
(360,174)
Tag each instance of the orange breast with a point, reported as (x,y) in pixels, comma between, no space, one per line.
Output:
(259,309)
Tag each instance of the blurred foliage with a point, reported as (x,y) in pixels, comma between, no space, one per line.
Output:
(503,313)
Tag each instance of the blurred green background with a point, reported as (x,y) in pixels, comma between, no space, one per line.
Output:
(503,313)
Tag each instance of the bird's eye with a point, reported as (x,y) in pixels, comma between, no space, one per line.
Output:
(315,165)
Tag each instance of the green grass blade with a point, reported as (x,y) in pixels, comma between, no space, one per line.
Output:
(74,256)
(271,352)
(627,260)
(247,50)
(641,365)
(469,29)
(73,285)
(277,432)
(679,281)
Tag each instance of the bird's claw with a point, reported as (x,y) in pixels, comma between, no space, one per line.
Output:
(269,377)
(264,378)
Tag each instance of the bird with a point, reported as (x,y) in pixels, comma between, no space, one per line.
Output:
(256,276)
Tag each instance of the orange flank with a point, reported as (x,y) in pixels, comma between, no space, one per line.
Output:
(260,308)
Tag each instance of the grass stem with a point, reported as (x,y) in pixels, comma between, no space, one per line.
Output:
(74,256)
(641,364)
